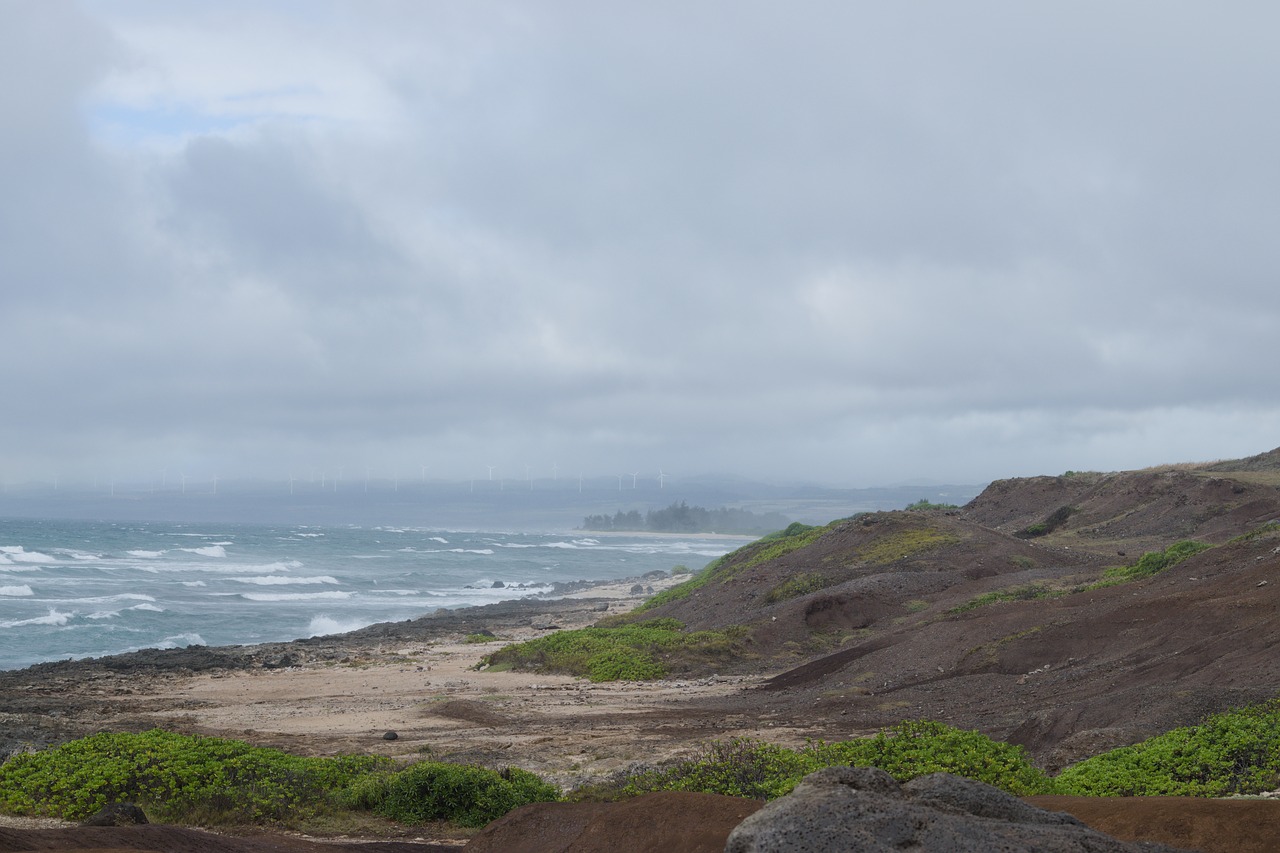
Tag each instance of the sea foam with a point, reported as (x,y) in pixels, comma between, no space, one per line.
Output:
(16,590)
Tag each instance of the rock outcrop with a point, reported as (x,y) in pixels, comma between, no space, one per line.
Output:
(842,809)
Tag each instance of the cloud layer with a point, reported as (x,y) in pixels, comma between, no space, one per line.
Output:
(838,242)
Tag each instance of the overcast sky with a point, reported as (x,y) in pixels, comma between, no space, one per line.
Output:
(843,242)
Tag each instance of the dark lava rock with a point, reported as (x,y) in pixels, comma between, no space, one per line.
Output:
(117,814)
(390,736)
(498,585)
(862,808)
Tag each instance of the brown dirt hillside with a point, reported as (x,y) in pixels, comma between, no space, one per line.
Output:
(878,628)
(1133,511)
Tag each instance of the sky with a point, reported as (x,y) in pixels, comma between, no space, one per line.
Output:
(847,243)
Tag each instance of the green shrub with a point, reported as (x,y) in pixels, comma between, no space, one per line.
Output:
(736,768)
(465,795)
(176,778)
(1233,753)
(748,768)
(915,748)
(1152,563)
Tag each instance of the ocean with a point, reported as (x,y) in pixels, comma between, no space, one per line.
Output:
(76,589)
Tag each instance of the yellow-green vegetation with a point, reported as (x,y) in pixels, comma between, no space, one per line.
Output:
(1271,528)
(797,585)
(906,543)
(639,651)
(750,768)
(483,637)
(1237,752)
(1025,592)
(1151,563)
(795,536)
(187,779)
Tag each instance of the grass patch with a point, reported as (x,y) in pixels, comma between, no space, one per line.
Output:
(1151,563)
(797,585)
(1237,752)
(1027,592)
(796,535)
(908,543)
(640,651)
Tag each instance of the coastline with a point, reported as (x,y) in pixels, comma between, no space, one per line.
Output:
(345,694)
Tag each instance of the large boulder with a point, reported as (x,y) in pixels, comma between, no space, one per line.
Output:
(842,809)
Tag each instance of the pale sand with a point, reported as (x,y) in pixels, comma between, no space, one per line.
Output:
(566,729)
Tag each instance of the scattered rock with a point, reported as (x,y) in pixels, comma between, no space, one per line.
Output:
(498,585)
(862,808)
(637,589)
(117,814)
(390,736)
(544,622)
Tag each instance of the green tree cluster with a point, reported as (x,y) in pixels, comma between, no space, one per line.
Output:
(681,518)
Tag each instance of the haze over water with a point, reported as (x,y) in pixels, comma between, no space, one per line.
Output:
(74,589)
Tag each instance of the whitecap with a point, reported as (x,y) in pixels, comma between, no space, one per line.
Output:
(194,583)
(209,551)
(148,607)
(16,590)
(276,580)
(324,624)
(440,539)
(18,554)
(146,555)
(55,617)
(293,596)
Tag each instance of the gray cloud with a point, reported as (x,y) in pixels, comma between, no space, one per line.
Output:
(835,242)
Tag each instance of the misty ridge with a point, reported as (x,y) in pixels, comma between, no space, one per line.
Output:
(681,518)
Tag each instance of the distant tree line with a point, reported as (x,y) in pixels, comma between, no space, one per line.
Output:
(682,518)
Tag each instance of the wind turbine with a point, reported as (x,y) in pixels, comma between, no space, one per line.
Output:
(634,474)
(661,478)
(491,467)
(620,476)
(291,484)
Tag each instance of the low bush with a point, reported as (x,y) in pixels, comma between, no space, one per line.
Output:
(461,794)
(1152,562)
(1232,753)
(747,768)
(176,778)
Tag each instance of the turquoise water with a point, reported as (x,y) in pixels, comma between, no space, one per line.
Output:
(73,589)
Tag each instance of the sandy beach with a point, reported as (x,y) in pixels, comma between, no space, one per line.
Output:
(405,690)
